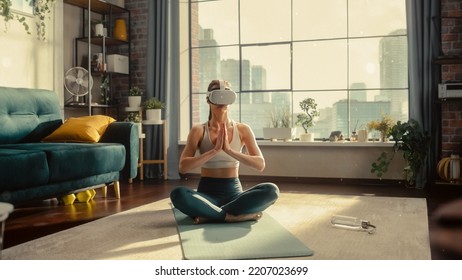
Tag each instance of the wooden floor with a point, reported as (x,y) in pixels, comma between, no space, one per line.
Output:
(34,220)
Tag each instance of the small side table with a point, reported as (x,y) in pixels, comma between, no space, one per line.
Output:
(5,210)
(164,149)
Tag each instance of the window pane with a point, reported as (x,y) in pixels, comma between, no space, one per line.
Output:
(330,118)
(271,62)
(266,108)
(265,21)
(376,17)
(379,62)
(213,63)
(319,19)
(210,25)
(369,105)
(320,65)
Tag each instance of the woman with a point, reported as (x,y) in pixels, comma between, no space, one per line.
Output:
(219,196)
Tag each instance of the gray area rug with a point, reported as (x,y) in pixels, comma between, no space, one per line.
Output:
(149,232)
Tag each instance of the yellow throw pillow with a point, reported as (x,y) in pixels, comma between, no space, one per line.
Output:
(88,129)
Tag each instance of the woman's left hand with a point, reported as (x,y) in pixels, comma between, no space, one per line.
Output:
(224,132)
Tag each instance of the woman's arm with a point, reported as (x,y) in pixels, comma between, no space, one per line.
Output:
(188,158)
(253,157)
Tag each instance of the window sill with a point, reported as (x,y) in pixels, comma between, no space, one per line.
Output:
(324,144)
(282,143)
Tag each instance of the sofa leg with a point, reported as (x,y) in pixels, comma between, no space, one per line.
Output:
(104,191)
(130,180)
(117,189)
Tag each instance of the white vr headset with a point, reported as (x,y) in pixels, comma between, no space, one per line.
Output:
(221,96)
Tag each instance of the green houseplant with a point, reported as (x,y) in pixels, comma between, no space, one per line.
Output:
(134,97)
(41,10)
(306,119)
(413,142)
(153,107)
(153,103)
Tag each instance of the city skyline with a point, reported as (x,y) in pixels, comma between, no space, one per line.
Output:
(354,80)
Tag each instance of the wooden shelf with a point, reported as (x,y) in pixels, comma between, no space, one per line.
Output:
(93,105)
(98,6)
(99,41)
(448,60)
(107,11)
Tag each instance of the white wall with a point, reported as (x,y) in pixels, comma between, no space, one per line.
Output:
(28,62)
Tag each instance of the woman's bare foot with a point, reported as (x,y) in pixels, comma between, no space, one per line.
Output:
(244,217)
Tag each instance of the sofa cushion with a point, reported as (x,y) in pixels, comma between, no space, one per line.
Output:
(21,169)
(22,110)
(41,131)
(70,161)
(82,129)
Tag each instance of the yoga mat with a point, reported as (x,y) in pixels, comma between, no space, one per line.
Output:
(261,239)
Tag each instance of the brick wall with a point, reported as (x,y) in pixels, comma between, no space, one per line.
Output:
(138,30)
(451,111)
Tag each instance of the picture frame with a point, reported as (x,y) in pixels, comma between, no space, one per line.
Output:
(23,7)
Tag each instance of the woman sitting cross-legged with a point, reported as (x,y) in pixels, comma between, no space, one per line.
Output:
(220,141)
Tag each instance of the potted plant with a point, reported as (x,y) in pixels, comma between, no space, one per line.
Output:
(279,127)
(413,142)
(134,97)
(153,107)
(105,88)
(384,127)
(306,119)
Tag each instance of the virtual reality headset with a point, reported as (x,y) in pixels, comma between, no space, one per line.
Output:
(221,96)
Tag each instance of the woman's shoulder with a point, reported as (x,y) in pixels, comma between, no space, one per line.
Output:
(198,128)
(242,126)
(244,129)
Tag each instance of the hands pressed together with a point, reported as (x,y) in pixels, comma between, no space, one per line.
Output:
(222,142)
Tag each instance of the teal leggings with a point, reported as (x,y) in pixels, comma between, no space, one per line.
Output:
(215,197)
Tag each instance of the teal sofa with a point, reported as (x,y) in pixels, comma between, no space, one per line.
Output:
(31,169)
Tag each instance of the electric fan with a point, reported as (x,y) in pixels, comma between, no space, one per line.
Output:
(78,82)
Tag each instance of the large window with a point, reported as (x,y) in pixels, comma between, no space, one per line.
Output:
(349,55)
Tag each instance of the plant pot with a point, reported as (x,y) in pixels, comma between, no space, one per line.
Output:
(153,114)
(306,137)
(134,101)
(276,133)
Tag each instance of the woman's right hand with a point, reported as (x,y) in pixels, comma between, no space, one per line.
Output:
(220,139)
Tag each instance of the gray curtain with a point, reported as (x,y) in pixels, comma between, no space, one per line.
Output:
(162,82)
(424,42)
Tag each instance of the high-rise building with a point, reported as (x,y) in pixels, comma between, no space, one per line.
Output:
(394,72)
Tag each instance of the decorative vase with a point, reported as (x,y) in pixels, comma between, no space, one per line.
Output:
(120,29)
(383,136)
(362,135)
(99,29)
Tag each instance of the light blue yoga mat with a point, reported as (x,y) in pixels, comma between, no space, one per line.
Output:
(246,240)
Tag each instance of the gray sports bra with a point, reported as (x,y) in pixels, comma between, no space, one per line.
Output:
(222,159)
